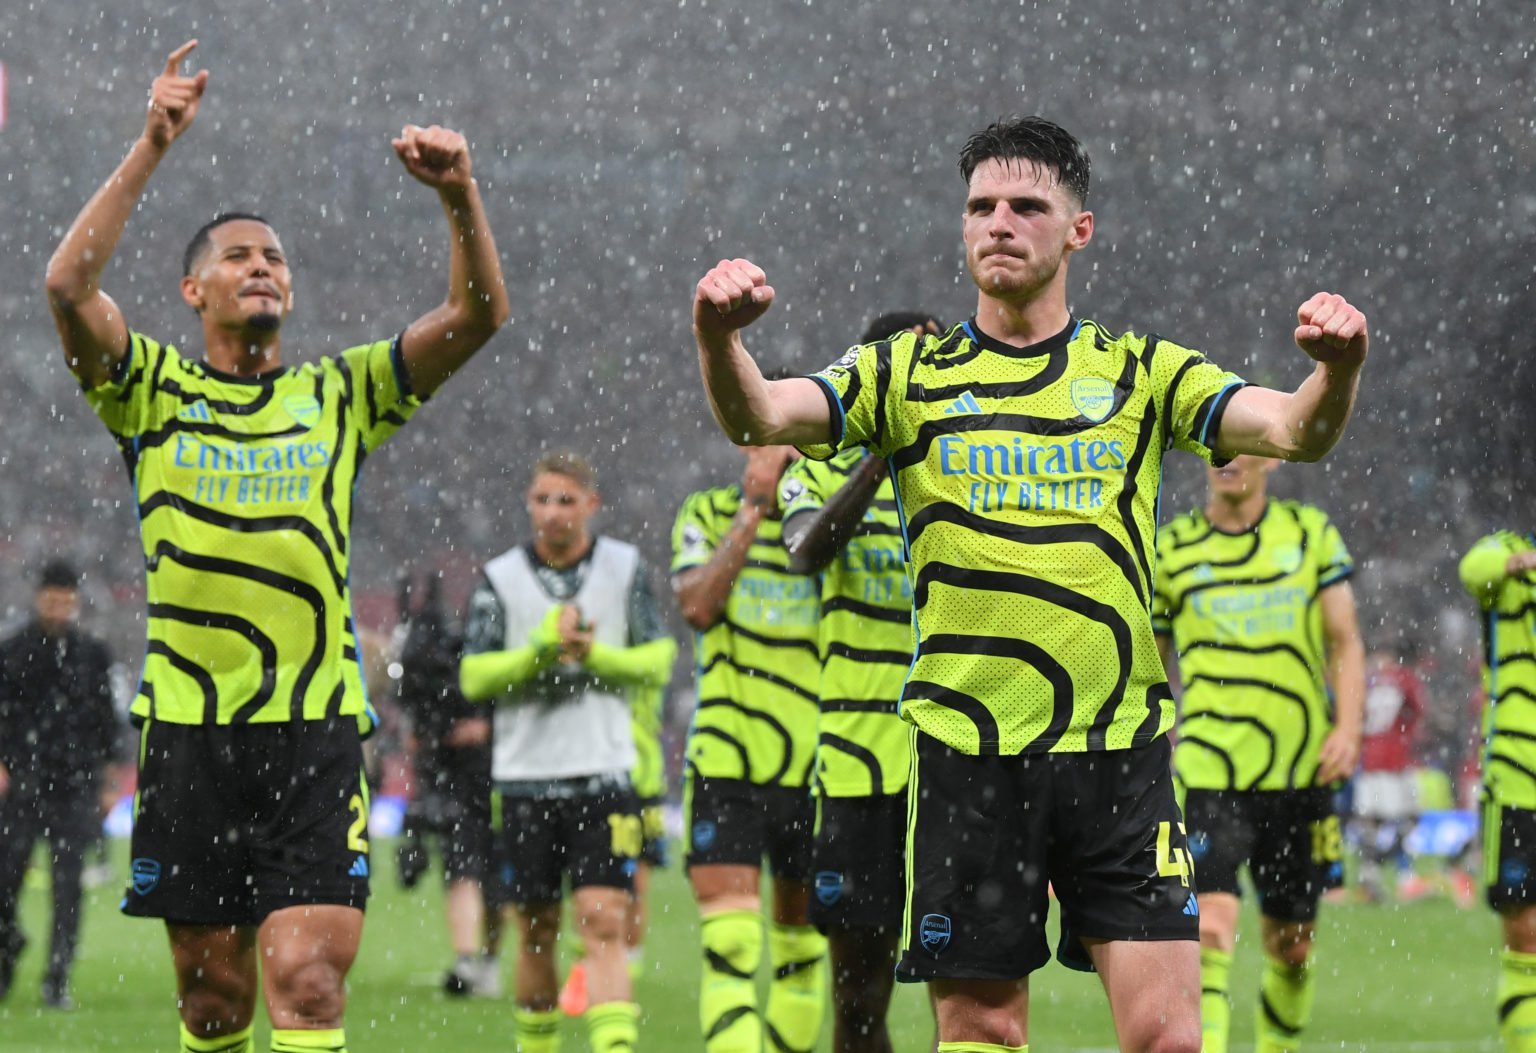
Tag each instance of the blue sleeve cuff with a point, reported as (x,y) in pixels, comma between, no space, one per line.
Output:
(835,410)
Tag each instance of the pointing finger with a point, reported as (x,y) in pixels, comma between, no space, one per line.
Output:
(173,63)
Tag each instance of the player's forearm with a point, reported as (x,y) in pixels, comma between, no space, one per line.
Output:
(475,286)
(815,538)
(642,665)
(74,271)
(738,395)
(1346,676)
(703,591)
(491,673)
(1317,412)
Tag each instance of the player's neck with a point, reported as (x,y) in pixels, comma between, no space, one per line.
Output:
(565,555)
(1024,322)
(241,353)
(1235,515)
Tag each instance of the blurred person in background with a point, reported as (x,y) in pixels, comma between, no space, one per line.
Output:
(751,748)
(1500,573)
(244,473)
(1256,618)
(58,731)
(1386,792)
(561,633)
(451,798)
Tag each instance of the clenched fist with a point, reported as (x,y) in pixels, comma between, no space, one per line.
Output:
(436,156)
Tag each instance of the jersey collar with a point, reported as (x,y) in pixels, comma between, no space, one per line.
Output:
(266,377)
(1252,529)
(1049,346)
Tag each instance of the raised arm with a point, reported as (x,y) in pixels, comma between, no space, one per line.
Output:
(440,341)
(1490,563)
(1303,425)
(750,410)
(814,537)
(702,591)
(91,328)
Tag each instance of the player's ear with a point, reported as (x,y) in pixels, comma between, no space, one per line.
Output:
(192,292)
(1082,231)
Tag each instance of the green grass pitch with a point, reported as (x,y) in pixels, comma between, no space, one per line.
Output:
(1417,978)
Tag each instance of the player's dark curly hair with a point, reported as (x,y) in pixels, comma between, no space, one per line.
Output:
(199,243)
(1032,139)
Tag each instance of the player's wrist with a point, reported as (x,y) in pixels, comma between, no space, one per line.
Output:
(151,146)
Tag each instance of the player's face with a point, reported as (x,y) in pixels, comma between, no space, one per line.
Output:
(559,508)
(242,281)
(56,608)
(1245,476)
(1020,225)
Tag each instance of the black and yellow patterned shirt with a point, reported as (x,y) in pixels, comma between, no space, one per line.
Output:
(1028,482)
(1508,604)
(1244,615)
(864,747)
(244,488)
(757,668)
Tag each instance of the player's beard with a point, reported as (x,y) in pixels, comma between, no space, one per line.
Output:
(264,322)
(1036,275)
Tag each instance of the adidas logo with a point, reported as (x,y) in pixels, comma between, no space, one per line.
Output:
(360,868)
(1192,907)
(964,404)
(197,411)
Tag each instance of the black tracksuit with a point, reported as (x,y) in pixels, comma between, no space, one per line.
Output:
(57,731)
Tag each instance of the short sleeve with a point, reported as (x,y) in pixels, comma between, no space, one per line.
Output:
(801,488)
(1194,393)
(124,400)
(1482,569)
(380,388)
(856,386)
(1333,560)
(694,533)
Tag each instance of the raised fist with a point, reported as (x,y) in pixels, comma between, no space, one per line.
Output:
(437,156)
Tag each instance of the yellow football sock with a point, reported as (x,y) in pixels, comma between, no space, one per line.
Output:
(1517,1001)
(535,1030)
(733,948)
(1285,1007)
(1215,1003)
(797,995)
(613,1027)
(332,1040)
(234,1042)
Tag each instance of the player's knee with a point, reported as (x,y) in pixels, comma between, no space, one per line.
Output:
(311,992)
(209,1013)
(1294,953)
(540,928)
(603,923)
(1182,1038)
